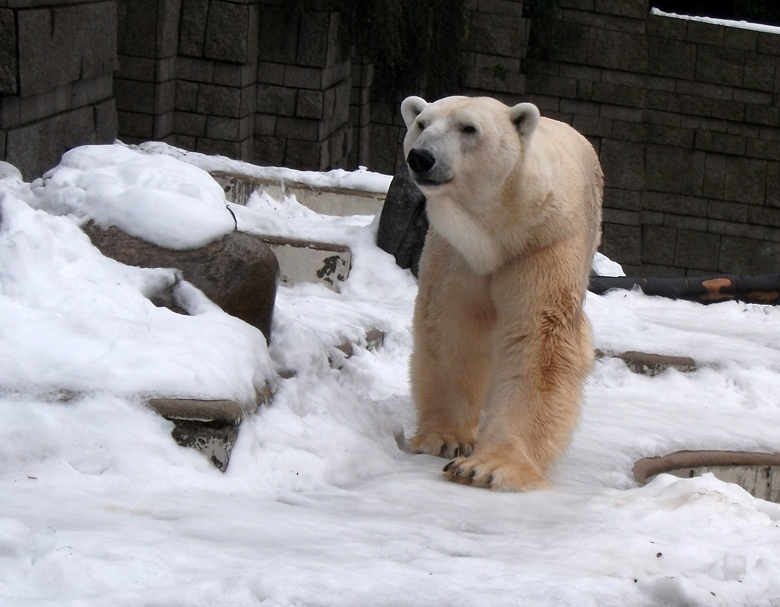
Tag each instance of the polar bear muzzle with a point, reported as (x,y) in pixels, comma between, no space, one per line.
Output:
(420,161)
(426,169)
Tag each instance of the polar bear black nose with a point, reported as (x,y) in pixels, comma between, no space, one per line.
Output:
(420,161)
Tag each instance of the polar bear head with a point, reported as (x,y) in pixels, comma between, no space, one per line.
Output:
(466,155)
(459,139)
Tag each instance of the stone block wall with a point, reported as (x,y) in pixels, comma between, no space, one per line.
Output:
(57,60)
(686,118)
(304,89)
(266,83)
(494,49)
(144,84)
(188,71)
(362,76)
(216,88)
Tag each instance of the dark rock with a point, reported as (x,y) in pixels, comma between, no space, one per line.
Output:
(238,272)
(403,223)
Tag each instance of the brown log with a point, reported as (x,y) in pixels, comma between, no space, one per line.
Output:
(761,289)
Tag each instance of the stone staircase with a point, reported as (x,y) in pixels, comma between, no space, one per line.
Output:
(211,426)
(305,260)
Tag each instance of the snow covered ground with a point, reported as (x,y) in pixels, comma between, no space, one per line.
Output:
(321,505)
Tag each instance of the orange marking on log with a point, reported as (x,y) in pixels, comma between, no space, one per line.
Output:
(713,287)
(767,297)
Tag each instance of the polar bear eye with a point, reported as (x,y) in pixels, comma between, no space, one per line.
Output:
(468,129)
(421,125)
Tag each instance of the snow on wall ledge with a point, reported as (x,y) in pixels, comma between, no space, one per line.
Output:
(758,27)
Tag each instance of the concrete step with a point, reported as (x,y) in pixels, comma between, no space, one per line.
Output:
(300,260)
(209,426)
(310,261)
(646,363)
(324,200)
(756,473)
(212,426)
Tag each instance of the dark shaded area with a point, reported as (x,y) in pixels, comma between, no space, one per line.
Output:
(544,38)
(415,46)
(403,223)
(755,11)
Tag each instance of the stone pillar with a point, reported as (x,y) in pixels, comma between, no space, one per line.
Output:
(188,70)
(216,93)
(304,89)
(145,85)
(57,61)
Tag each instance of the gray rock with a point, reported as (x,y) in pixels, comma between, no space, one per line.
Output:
(238,272)
(403,223)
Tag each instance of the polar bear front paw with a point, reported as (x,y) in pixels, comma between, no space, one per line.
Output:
(497,472)
(444,444)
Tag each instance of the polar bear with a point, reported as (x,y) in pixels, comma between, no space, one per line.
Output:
(502,345)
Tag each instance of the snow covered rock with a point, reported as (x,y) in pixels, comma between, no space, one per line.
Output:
(162,200)
(238,272)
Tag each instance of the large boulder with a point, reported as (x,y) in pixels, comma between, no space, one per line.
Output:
(403,223)
(238,272)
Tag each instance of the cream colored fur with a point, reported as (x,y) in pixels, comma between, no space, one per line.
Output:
(501,343)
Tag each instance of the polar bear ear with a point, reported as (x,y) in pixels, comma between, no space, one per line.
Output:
(525,117)
(411,108)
